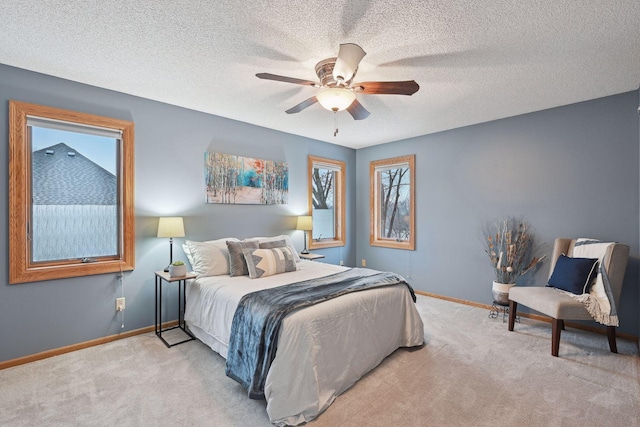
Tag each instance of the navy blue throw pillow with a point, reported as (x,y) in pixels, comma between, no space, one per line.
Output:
(574,274)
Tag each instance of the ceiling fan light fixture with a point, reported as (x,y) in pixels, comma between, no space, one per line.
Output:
(346,65)
(336,92)
(335,98)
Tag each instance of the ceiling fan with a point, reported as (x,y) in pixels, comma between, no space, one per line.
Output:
(337,92)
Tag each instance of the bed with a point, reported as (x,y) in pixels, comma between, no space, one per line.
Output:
(322,349)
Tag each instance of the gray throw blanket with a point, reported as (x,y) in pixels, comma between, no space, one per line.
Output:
(257,320)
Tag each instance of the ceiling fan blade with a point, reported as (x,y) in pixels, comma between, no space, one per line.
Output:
(408,87)
(357,111)
(349,57)
(304,104)
(277,78)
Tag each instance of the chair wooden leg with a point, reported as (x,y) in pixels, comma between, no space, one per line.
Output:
(513,306)
(556,330)
(611,334)
(561,324)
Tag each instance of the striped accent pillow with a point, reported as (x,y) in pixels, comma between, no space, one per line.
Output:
(267,262)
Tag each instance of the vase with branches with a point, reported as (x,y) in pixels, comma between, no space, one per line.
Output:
(510,245)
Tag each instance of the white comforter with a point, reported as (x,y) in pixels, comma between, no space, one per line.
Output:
(323,349)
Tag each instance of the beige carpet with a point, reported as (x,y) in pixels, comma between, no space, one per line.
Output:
(471,372)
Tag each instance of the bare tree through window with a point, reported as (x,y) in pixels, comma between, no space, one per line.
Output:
(323,188)
(327,202)
(392,204)
(394,213)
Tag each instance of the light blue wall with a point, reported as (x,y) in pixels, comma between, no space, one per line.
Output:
(169,180)
(571,171)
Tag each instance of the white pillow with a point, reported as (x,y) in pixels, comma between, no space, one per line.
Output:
(187,252)
(210,258)
(280,237)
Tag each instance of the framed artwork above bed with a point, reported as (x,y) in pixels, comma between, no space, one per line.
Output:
(231,179)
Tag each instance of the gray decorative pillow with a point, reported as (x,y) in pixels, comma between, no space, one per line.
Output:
(237,263)
(278,238)
(267,262)
(270,244)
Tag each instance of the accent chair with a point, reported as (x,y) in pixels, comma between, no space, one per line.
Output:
(560,306)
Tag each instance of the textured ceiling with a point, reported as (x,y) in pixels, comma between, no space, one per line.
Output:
(475,61)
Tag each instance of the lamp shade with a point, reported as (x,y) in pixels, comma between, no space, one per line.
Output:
(335,98)
(305,222)
(171,226)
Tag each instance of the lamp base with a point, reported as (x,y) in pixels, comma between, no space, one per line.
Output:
(166,270)
(305,251)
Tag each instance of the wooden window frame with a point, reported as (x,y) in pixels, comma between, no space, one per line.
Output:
(340,191)
(375,238)
(21,268)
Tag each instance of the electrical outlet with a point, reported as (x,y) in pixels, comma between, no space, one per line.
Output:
(364,262)
(120,304)
(341,262)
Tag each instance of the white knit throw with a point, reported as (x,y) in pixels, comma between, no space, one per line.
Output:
(599,301)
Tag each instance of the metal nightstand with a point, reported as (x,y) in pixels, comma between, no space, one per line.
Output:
(182,281)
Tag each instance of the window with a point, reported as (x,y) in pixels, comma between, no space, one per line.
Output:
(392,203)
(327,202)
(71,194)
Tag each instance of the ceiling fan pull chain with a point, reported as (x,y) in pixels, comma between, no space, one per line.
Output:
(335,124)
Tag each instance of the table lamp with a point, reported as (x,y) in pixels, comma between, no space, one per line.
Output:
(305,223)
(170,227)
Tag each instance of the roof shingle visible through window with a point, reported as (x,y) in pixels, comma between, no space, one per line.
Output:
(61,179)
